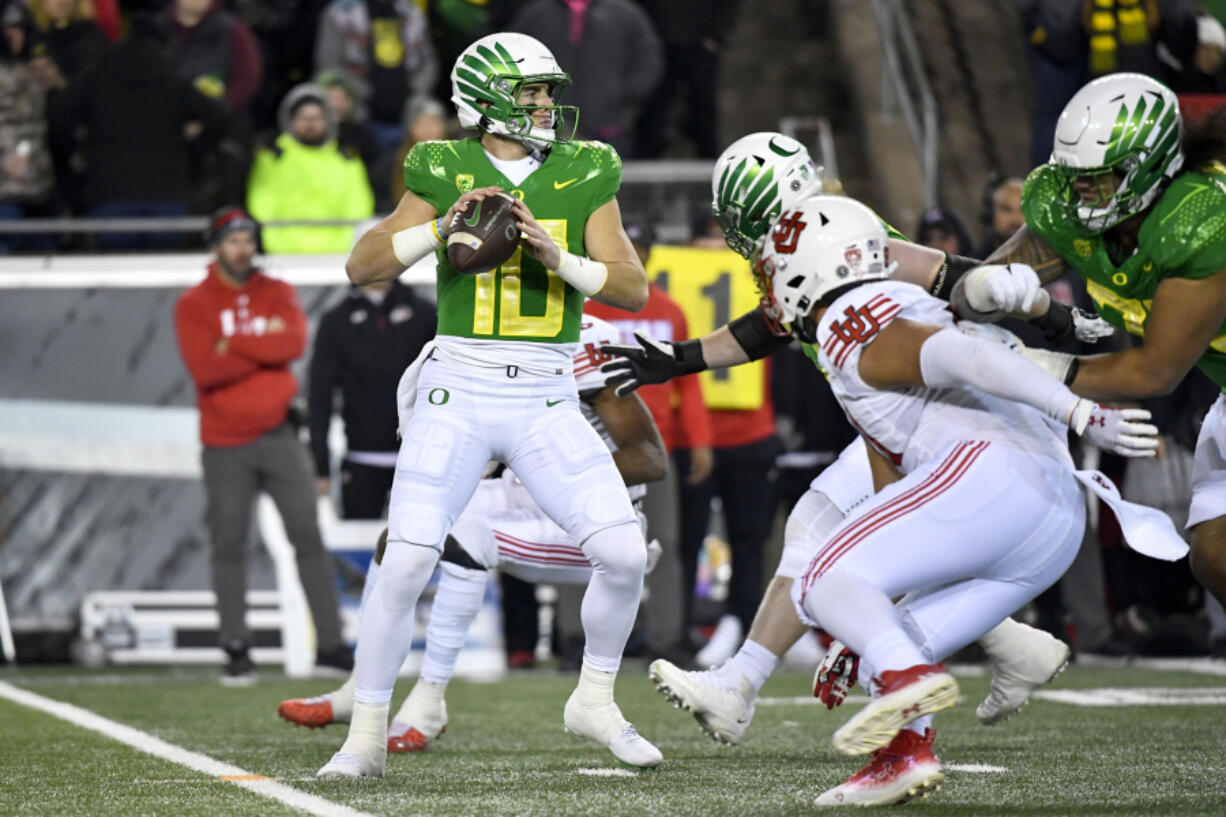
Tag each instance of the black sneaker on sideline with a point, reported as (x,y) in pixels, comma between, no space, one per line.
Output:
(239,670)
(334,662)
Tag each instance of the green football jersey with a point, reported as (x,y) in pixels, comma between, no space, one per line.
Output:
(520,300)
(1184,236)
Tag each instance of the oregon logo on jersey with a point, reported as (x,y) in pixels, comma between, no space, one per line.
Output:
(463,182)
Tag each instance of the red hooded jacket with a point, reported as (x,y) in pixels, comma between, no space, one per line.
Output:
(245,390)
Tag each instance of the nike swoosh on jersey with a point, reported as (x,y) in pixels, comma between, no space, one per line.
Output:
(559,185)
(552,403)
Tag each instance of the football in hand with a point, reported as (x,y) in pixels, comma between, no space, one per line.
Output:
(483,235)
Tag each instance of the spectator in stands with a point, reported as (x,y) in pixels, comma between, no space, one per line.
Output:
(681,417)
(219,54)
(424,120)
(215,51)
(141,121)
(613,55)
(941,229)
(238,332)
(1070,43)
(387,44)
(285,32)
(347,98)
(1002,213)
(1203,74)
(362,347)
(26,180)
(71,38)
(304,175)
(695,33)
(71,43)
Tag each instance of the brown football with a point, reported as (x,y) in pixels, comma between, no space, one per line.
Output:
(483,235)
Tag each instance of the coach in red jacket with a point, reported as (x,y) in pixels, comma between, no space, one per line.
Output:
(238,331)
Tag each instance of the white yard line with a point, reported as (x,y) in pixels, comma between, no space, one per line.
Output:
(263,786)
(1136,696)
(607,772)
(975,768)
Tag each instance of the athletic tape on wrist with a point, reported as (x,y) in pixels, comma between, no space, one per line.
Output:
(411,245)
(583,274)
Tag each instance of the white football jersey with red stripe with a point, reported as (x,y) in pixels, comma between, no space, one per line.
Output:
(595,333)
(911,426)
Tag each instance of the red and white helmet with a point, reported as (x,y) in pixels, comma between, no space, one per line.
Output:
(823,243)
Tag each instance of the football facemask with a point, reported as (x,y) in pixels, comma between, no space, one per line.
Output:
(1117,143)
(489,83)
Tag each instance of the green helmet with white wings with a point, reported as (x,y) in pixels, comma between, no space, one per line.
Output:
(486,82)
(1117,144)
(755,179)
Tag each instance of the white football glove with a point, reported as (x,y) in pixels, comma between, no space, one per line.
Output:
(1001,288)
(1120,431)
(1089,327)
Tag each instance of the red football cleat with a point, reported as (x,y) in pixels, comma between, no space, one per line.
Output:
(904,769)
(410,741)
(312,713)
(903,696)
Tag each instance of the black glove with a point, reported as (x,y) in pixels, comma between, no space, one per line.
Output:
(652,361)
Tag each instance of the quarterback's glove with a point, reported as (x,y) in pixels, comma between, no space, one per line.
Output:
(652,361)
(836,675)
(1120,431)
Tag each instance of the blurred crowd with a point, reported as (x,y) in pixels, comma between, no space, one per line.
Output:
(304,109)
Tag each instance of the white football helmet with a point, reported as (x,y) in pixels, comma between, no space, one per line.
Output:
(1125,125)
(757,177)
(822,244)
(485,85)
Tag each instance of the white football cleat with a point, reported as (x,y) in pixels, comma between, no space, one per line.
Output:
(421,719)
(364,752)
(1022,658)
(724,712)
(347,766)
(905,695)
(605,724)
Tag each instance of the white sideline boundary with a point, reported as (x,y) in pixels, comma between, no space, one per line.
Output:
(150,745)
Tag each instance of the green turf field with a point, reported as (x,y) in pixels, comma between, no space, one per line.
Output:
(505,752)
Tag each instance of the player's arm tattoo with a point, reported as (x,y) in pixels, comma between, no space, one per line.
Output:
(1027,248)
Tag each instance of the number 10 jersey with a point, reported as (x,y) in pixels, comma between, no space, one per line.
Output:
(521,300)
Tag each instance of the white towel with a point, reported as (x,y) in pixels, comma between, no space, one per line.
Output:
(1148,531)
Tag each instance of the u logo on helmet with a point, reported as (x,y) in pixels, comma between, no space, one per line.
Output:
(787,232)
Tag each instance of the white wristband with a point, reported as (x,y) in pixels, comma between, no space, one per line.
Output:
(411,245)
(583,274)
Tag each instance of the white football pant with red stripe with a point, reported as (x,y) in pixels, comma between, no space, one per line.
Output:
(968,539)
(503,528)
